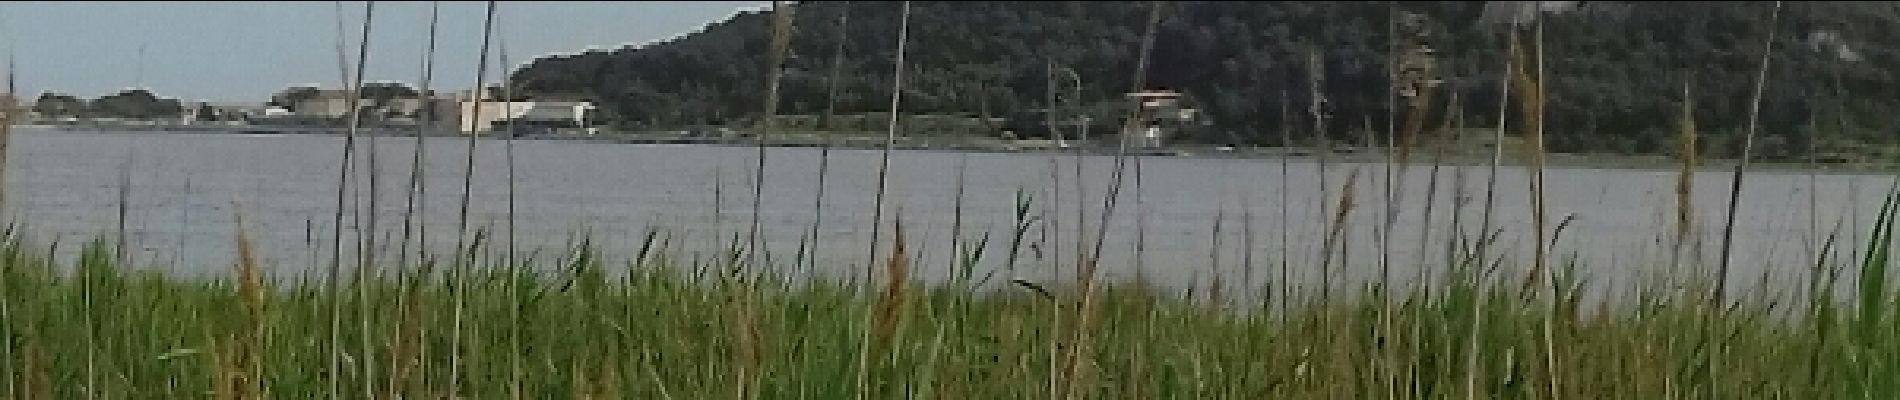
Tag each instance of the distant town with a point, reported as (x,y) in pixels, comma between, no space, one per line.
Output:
(396,106)
(383,105)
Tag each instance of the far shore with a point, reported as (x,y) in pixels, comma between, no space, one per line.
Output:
(1465,157)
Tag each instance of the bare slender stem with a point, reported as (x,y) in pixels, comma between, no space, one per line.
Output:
(1717,302)
(342,55)
(1086,270)
(468,181)
(956,221)
(6,329)
(883,181)
(1286,187)
(6,132)
(1482,245)
(414,211)
(1316,80)
(335,350)
(364,268)
(890,140)
(781,41)
(515,374)
(1748,145)
(1390,211)
(824,152)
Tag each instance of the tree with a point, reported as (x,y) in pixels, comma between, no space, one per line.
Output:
(289,98)
(137,104)
(385,91)
(208,113)
(51,104)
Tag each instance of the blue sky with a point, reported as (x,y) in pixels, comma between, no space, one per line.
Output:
(245,51)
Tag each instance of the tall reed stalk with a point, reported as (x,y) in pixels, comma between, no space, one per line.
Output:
(12,111)
(1286,222)
(828,127)
(890,140)
(1086,271)
(1748,147)
(415,216)
(513,266)
(958,263)
(250,343)
(746,354)
(7,370)
(124,206)
(1476,252)
(781,42)
(1505,77)
(1054,206)
(366,268)
(335,350)
(1717,300)
(462,263)
(1316,80)
(1685,178)
(1426,224)
(1531,103)
(883,183)
(415,207)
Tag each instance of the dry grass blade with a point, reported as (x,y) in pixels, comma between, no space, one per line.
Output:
(1685,177)
(891,300)
(1531,106)
(247,348)
(1335,232)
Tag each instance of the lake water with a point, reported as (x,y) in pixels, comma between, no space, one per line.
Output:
(186,189)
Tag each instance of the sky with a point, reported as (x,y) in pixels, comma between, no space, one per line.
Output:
(246,51)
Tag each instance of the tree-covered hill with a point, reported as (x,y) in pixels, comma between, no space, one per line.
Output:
(1616,69)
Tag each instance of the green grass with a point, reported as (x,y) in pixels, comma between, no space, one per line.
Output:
(665,328)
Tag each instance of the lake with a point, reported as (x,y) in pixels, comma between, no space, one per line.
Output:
(186,189)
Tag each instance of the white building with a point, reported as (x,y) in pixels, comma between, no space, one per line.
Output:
(326,104)
(527,114)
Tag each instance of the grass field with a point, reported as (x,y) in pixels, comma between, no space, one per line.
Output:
(672,327)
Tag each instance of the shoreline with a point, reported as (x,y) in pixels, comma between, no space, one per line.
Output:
(1460,157)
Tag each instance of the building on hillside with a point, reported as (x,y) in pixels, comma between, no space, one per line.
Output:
(1160,115)
(327,103)
(334,104)
(216,112)
(528,116)
(1521,12)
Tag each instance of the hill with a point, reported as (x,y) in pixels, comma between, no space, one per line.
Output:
(1616,68)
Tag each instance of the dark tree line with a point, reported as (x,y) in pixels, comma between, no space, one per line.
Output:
(134,104)
(1615,69)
